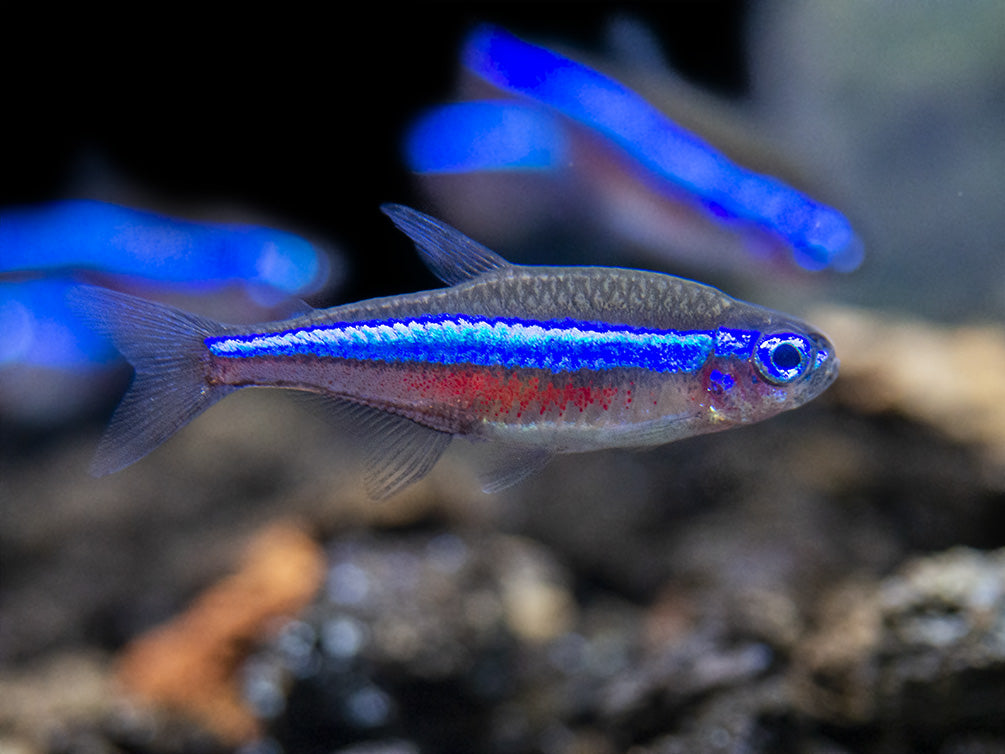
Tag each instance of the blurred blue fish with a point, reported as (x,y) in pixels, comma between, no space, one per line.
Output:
(567,114)
(240,271)
(91,235)
(492,136)
(39,330)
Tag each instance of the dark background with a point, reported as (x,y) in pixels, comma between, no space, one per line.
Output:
(295,115)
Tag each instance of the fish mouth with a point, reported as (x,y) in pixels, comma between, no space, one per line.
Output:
(827,367)
(832,372)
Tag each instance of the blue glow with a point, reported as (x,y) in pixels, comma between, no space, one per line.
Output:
(721,380)
(85,234)
(38,329)
(556,345)
(469,136)
(821,358)
(820,236)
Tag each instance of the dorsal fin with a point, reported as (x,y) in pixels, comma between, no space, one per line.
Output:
(448,253)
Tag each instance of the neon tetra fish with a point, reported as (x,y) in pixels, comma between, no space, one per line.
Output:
(539,360)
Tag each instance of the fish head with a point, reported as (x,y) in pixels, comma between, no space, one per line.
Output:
(784,364)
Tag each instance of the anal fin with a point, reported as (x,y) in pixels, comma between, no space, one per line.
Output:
(396,451)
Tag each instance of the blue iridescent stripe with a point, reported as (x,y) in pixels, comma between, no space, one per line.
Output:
(735,343)
(556,345)
(820,235)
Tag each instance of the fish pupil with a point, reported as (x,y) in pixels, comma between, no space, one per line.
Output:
(786,356)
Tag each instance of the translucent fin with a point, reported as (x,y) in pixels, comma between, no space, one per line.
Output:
(649,434)
(165,346)
(507,465)
(397,451)
(448,253)
(295,307)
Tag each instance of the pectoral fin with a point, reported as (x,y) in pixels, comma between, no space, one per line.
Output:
(506,465)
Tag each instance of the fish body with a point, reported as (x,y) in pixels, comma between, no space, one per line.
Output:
(540,360)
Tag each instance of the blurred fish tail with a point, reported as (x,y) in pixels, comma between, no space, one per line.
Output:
(166,348)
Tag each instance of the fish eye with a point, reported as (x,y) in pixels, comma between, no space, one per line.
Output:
(783,357)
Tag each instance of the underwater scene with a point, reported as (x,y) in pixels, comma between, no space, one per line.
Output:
(624,378)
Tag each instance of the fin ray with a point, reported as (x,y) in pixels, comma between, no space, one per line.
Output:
(507,465)
(448,253)
(169,389)
(396,451)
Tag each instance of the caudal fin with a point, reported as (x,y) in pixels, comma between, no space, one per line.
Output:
(165,347)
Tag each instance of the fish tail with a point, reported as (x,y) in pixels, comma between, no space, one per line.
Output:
(166,348)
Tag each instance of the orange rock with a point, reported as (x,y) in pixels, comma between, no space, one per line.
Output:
(189,665)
